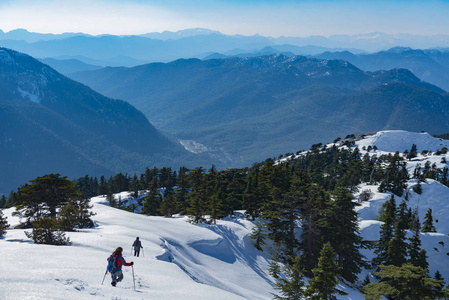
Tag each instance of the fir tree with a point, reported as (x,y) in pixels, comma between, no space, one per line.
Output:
(396,175)
(397,248)
(418,188)
(323,284)
(153,200)
(46,231)
(417,256)
(413,152)
(258,236)
(216,206)
(274,269)
(427,225)
(76,214)
(3,224)
(387,212)
(404,282)
(197,196)
(316,202)
(345,238)
(44,196)
(252,197)
(388,215)
(182,192)
(292,286)
(438,290)
(168,205)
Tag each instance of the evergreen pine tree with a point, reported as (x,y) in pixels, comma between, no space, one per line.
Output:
(323,284)
(44,197)
(3,224)
(168,206)
(181,195)
(427,225)
(292,286)
(388,215)
(417,256)
(197,196)
(404,282)
(282,207)
(418,188)
(252,198)
(397,248)
(413,152)
(312,215)
(76,214)
(258,236)
(46,231)
(438,290)
(274,269)
(216,206)
(345,238)
(153,200)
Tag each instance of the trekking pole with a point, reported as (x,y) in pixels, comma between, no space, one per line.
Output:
(104,275)
(143,252)
(133,278)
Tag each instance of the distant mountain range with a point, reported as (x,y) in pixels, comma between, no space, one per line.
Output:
(110,50)
(428,65)
(50,124)
(243,110)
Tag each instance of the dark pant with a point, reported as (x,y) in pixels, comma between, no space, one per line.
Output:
(117,276)
(136,252)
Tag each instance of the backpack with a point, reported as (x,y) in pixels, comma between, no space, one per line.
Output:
(112,263)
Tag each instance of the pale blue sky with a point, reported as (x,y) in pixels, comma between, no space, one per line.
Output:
(247,17)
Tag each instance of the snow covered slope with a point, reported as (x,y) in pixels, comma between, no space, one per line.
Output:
(184,261)
(434,195)
(179,260)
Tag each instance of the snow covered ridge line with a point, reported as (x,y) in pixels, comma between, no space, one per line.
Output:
(388,141)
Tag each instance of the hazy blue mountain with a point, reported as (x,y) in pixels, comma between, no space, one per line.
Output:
(31,37)
(264,51)
(372,42)
(67,66)
(51,123)
(247,109)
(428,65)
(170,35)
(287,50)
(110,50)
(134,50)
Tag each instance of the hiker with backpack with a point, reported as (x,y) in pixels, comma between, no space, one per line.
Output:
(137,245)
(115,263)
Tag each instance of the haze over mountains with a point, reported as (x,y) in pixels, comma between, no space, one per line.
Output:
(110,50)
(244,110)
(52,124)
(245,105)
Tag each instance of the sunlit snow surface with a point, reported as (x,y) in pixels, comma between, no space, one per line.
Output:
(185,261)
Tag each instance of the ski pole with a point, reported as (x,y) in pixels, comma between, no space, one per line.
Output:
(143,252)
(133,278)
(131,251)
(104,275)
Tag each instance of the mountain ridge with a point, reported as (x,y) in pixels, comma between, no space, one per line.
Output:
(260,105)
(52,123)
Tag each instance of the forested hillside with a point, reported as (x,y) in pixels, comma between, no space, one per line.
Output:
(52,124)
(242,110)
(377,211)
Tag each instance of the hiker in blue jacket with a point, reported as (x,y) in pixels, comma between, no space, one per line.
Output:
(116,261)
